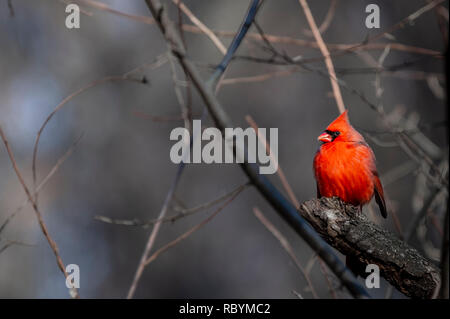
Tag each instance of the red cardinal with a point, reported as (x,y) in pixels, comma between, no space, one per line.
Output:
(344,167)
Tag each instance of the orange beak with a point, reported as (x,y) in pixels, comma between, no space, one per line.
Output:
(325,137)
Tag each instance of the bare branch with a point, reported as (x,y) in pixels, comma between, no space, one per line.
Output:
(327,21)
(10,243)
(11,8)
(222,120)
(287,246)
(287,188)
(177,48)
(190,231)
(330,285)
(51,242)
(323,48)
(41,185)
(272,38)
(183,212)
(125,77)
(207,31)
(445,259)
(350,232)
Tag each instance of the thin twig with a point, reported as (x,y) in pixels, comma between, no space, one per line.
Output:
(421,214)
(41,185)
(67,2)
(177,48)
(212,83)
(327,21)
(330,285)
(272,38)
(221,120)
(444,291)
(287,187)
(10,243)
(51,242)
(258,78)
(10,8)
(378,94)
(183,212)
(297,294)
(207,31)
(124,77)
(158,118)
(409,146)
(190,231)
(185,112)
(339,48)
(323,48)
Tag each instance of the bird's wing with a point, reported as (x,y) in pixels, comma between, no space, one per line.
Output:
(379,195)
(378,188)
(318,191)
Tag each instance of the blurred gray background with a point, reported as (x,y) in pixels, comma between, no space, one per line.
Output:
(121,167)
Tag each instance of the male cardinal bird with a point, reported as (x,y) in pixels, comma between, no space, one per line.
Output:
(344,166)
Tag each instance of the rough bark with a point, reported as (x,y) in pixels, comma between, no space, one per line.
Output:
(351,233)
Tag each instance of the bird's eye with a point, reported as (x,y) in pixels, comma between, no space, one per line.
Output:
(333,134)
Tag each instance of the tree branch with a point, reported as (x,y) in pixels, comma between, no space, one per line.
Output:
(350,232)
(287,247)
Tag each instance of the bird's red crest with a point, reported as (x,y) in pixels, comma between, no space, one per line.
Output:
(340,122)
(346,131)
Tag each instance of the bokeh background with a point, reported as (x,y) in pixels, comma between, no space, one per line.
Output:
(121,166)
